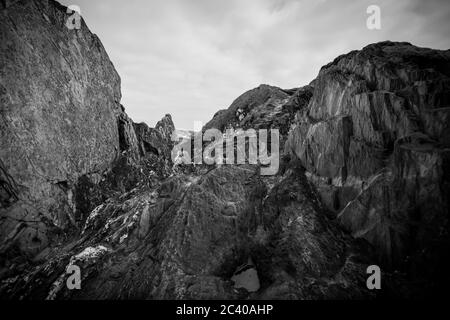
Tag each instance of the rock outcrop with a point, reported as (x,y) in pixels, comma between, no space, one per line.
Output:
(62,125)
(60,104)
(264,107)
(156,141)
(375,141)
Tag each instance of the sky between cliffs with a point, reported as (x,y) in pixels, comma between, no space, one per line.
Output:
(191,58)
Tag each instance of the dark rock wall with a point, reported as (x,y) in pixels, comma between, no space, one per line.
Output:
(374,140)
(184,238)
(61,119)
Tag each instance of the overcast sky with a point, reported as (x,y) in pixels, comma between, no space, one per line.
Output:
(191,58)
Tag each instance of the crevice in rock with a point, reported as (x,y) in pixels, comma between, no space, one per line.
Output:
(9,193)
(148,148)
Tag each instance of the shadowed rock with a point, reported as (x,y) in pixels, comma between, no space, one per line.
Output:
(374,140)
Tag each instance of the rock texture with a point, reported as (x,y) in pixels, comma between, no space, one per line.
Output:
(185,238)
(363,179)
(62,124)
(374,140)
(60,102)
(156,141)
(264,107)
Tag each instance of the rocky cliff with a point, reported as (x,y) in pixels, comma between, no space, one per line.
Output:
(62,124)
(363,179)
(375,142)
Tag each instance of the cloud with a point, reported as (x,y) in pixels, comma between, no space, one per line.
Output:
(191,58)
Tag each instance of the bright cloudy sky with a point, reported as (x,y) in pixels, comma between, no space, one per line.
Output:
(191,58)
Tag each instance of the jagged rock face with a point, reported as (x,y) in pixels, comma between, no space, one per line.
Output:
(144,160)
(63,129)
(374,140)
(60,102)
(264,107)
(128,140)
(243,105)
(185,238)
(166,127)
(156,141)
